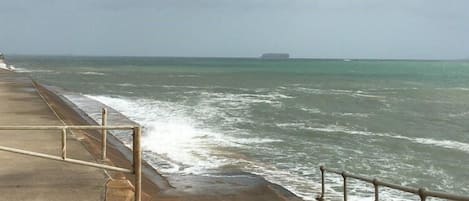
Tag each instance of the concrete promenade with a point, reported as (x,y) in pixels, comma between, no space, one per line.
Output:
(30,178)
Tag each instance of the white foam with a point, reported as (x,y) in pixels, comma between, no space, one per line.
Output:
(180,141)
(24,70)
(188,75)
(243,100)
(340,114)
(449,144)
(183,86)
(457,115)
(162,121)
(311,110)
(351,93)
(3,66)
(350,114)
(91,73)
(254,140)
(126,85)
(172,133)
(454,88)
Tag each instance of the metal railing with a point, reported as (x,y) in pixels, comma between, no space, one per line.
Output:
(137,153)
(421,192)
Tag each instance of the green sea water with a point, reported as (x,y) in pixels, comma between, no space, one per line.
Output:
(405,122)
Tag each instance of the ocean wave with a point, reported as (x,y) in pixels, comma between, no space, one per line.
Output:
(457,115)
(311,110)
(352,93)
(291,125)
(91,73)
(185,86)
(243,100)
(254,140)
(449,144)
(184,76)
(126,85)
(350,114)
(393,89)
(454,88)
(269,96)
(336,114)
(24,70)
(171,131)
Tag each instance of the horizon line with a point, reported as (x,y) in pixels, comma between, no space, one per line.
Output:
(238,57)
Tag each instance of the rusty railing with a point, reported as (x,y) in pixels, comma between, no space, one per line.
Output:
(421,192)
(137,153)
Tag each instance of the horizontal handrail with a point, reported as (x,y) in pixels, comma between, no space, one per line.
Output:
(421,192)
(57,158)
(136,169)
(80,127)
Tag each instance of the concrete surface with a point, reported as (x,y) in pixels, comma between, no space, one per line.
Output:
(30,178)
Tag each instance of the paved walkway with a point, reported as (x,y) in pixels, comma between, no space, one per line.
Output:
(30,178)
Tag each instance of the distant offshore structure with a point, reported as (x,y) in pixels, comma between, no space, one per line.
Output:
(4,65)
(275,56)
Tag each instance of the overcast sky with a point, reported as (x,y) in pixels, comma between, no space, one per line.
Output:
(425,29)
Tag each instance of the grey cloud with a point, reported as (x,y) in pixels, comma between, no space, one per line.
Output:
(304,28)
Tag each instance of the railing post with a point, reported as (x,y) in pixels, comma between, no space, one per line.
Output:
(422,194)
(344,176)
(137,163)
(375,184)
(322,183)
(104,134)
(64,143)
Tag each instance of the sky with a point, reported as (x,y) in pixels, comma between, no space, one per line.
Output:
(383,29)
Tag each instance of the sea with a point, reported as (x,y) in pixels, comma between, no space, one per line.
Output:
(401,121)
